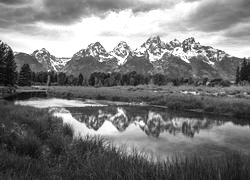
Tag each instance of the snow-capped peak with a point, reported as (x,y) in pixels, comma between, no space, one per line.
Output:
(175,43)
(190,48)
(122,46)
(153,48)
(154,43)
(42,56)
(155,39)
(96,49)
(190,40)
(48,61)
(43,50)
(5,47)
(121,52)
(189,44)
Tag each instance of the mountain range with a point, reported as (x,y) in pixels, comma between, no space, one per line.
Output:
(174,59)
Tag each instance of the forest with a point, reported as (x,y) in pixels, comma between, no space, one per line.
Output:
(100,79)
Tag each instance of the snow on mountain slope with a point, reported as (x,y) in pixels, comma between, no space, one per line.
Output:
(121,52)
(175,43)
(5,49)
(62,61)
(49,62)
(178,51)
(153,48)
(95,50)
(80,54)
(189,48)
(98,51)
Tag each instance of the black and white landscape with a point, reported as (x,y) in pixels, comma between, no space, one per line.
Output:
(125,89)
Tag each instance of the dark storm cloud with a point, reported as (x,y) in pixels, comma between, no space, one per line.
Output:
(54,11)
(67,11)
(10,17)
(214,15)
(240,31)
(70,11)
(13,2)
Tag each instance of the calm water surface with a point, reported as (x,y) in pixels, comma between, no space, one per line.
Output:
(157,131)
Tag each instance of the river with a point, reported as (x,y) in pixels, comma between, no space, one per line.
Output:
(153,130)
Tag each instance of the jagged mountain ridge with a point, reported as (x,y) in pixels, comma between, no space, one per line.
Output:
(5,49)
(175,59)
(41,60)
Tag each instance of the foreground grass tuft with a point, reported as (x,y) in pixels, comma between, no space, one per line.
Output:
(35,145)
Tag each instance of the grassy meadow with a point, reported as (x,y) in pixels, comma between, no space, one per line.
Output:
(227,101)
(36,145)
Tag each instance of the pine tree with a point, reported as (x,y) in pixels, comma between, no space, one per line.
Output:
(25,76)
(62,78)
(2,64)
(80,80)
(7,65)
(248,71)
(10,69)
(237,78)
(70,80)
(243,71)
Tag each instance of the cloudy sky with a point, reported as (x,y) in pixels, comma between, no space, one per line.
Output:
(66,26)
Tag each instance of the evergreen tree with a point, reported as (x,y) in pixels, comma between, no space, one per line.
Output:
(80,80)
(248,71)
(237,78)
(85,82)
(93,79)
(33,77)
(11,73)
(7,65)
(62,78)
(70,80)
(159,79)
(243,71)
(25,76)
(2,64)
(55,78)
(75,81)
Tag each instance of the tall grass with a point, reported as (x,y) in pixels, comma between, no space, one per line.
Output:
(34,145)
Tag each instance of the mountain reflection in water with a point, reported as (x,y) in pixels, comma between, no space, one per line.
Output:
(151,122)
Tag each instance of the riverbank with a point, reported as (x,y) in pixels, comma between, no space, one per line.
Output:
(229,101)
(36,145)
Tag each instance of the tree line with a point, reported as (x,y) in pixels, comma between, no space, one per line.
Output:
(243,72)
(99,79)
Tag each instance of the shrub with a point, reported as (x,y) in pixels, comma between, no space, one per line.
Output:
(68,130)
(56,143)
(30,146)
